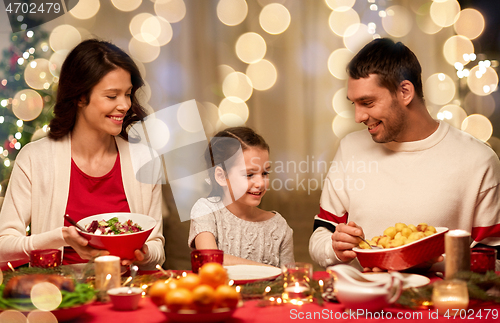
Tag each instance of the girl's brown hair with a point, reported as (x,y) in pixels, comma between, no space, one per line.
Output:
(224,145)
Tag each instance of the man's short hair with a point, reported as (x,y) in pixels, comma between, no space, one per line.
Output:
(392,62)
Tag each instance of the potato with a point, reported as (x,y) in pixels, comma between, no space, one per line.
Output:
(396,243)
(431,228)
(390,232)
(413,236)
(400,226)
(384,241)
(401,234)
(422,227)
(363,245)
(420,235)
(406,232)
(428,233)
(412,227)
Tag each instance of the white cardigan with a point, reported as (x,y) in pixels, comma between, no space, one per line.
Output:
(38,193)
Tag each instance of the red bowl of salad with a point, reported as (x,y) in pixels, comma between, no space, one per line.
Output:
(119,233)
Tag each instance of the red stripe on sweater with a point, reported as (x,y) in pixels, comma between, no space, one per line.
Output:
(480,233)
(325,215)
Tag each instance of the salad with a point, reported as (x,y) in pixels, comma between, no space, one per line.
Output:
(112,226)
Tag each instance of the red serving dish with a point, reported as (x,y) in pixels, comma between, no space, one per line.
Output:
(404,257)
(121,245)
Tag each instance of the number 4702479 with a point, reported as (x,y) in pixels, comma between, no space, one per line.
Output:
(471,314)
(27,8)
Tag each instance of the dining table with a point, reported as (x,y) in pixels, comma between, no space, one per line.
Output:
(252,310)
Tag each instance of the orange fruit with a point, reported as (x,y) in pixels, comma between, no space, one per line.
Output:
(204,298)
(179,298)
(213,274)
(190,281)
(226,296)
(159,290)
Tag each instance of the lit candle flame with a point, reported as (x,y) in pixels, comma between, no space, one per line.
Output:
(10,266)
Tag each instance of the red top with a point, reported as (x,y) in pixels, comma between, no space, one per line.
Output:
(93,195)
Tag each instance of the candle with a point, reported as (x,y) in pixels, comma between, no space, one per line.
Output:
(107,274)
(296,278)
(299,291)
(450,295)
(457,250)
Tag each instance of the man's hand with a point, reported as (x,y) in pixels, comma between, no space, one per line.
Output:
(344,239)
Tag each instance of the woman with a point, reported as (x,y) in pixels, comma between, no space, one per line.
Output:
(84,167)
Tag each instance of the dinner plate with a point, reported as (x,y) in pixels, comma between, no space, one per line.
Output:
(244,274)
(411,280)
(188,316)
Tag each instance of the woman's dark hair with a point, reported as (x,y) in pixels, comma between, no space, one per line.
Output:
(82,69)
(224,145)
(392,62)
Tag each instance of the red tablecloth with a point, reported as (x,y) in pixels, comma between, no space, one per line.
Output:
(251,313)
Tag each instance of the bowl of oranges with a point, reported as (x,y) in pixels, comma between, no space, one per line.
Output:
(402,246)
(202,297)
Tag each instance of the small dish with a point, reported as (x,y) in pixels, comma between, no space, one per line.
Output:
(125,298)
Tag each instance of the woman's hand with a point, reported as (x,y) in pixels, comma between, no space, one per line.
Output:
(140,255)
(344,239)
(80,244)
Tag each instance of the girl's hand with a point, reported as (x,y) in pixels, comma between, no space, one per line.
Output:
(344,239)
(80,244)
(140,255)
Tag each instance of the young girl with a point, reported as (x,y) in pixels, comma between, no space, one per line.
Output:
(229,218)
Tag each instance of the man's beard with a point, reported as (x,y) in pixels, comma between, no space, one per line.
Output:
(394,125)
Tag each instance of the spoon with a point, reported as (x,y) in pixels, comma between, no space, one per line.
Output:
(73,222)
(133,272)
(369,245)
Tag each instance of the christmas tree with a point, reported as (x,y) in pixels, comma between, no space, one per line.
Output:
(28,83)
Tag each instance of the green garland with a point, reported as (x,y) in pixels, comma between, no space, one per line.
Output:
(257,290)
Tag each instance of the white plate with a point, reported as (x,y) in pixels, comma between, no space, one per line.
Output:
(243,274)
(411,280)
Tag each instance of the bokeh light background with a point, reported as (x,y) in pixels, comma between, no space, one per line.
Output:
(279,66)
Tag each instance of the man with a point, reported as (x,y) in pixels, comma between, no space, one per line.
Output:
(406,167)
